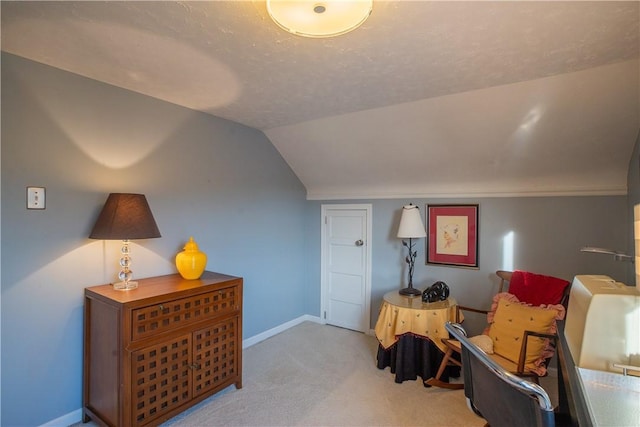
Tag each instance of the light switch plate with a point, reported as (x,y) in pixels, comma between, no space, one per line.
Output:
(36,198)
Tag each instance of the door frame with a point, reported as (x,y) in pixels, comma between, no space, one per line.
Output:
(324,287)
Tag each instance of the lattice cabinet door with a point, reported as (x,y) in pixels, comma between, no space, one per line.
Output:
(215,355)
(160,378)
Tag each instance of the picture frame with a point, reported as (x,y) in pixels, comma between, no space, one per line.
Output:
(452,235)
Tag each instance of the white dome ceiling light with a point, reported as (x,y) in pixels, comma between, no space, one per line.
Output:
(317,18)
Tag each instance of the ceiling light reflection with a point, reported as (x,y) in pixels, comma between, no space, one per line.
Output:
(530,120)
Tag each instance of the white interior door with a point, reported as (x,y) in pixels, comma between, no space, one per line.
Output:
(346,266)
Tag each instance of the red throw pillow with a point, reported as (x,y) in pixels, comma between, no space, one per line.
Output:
(536,289)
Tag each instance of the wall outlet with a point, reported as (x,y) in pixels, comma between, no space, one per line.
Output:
(36,198)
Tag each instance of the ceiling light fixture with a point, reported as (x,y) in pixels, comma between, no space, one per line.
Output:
(314,18)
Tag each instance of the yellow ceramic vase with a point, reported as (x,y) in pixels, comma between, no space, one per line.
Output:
(191,262)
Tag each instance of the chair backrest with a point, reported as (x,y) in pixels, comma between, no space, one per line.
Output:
(505,278)
(533,288)
(502,398)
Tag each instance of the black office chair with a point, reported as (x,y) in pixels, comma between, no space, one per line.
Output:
(497,395)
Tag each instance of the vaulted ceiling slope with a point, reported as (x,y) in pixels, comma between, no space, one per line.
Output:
(426,99)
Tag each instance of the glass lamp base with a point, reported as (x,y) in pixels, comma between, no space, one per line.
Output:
(125,286)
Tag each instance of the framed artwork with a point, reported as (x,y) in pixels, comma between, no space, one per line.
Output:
(452,235)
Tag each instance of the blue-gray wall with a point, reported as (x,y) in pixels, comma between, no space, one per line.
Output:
(547,233)
(633,188)
(227,186)
(223,183)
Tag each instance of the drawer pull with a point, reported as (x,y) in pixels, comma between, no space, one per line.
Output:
(195,366)
(161,307)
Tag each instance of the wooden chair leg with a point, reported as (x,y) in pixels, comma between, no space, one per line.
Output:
(436,381)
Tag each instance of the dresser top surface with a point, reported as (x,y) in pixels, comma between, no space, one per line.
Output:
(160,285)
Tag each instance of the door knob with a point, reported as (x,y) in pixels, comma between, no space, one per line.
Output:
(359,243)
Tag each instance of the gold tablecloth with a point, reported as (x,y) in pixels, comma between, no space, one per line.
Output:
(402,315)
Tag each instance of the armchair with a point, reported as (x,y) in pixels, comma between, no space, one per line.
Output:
(519,336)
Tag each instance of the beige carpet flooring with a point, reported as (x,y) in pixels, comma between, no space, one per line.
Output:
(320,375)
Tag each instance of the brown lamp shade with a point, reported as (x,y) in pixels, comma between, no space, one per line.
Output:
(125,217)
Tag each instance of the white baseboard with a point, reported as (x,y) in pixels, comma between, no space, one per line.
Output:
(76,416)
(275,331)
(65,420)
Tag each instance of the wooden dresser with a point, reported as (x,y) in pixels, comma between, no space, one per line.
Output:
(152,352)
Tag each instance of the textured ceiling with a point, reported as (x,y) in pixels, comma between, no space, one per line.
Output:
(424,99)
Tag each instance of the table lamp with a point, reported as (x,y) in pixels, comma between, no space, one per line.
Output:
(410,228)
(125,217)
